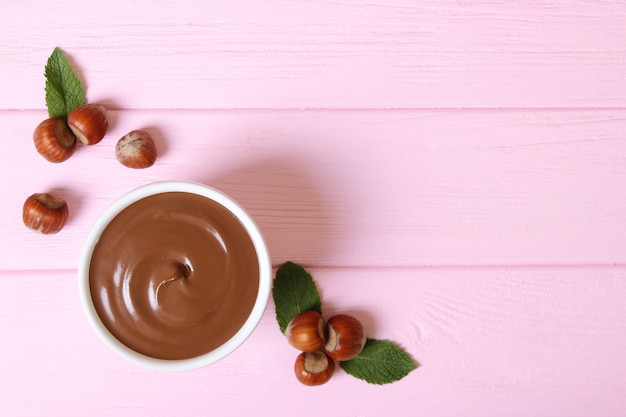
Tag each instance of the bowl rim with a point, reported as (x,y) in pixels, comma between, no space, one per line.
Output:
(260,304)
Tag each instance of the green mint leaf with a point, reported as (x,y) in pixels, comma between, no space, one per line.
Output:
(294,292)
(380,362)
(64,91)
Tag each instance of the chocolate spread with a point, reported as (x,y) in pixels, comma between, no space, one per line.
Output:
(174,275)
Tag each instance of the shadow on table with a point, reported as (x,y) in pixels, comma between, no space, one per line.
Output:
(281,195)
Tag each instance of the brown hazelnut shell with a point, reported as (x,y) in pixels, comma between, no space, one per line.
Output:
(45,213)
(136,150)
(54,140)
(345,337)
(305,332)
(314,368)
(89,123)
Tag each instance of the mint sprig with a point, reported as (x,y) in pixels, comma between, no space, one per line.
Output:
(294,292)
(380,362)
(64,90)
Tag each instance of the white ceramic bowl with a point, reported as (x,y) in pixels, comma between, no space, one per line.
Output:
(265,279)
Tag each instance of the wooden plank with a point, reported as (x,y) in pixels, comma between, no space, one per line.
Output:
(490,342)
(318,54)
(362,188)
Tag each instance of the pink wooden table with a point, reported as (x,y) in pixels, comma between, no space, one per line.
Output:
(453,173)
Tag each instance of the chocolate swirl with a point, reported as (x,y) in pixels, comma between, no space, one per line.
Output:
(174,275)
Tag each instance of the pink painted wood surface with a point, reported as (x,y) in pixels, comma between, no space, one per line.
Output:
(453,173)
(492,341)
(310,54)
(358,188)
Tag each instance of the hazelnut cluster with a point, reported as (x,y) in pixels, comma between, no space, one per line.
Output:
(322,343)
(55,139)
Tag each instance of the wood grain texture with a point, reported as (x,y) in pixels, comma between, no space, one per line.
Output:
(314,53)
(362,188)
(451,172)
(490,342)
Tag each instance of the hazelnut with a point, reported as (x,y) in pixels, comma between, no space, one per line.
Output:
(54,140)
(136,150)
(345,337)
(314,368)
(305,332)
(89,123)
(44,213)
